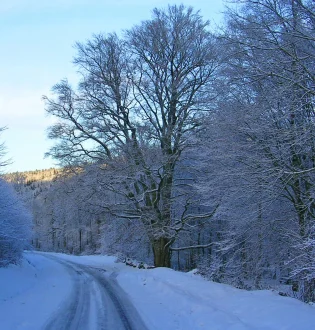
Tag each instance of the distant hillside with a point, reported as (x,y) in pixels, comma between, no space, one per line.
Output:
(28,177)
(30,184)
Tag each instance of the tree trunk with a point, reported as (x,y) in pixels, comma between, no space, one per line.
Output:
(160,213)
(161,251)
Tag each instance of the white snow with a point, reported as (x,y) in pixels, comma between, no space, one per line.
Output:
(166,299)
(32,292)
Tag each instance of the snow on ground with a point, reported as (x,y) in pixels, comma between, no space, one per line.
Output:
(165,299)
(31,292)
(186,301)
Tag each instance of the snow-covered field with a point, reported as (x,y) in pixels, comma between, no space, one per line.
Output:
(166,299)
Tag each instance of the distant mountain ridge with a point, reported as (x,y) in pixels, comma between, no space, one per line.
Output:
(29,184)
(28,177)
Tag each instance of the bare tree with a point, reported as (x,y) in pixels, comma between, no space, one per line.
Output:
(138,102)
(3,161)
(275,43)
(15,225)
(267,114)
(15,221)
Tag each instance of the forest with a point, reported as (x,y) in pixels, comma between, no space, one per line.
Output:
(187,146)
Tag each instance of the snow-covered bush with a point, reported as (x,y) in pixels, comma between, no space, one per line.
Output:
(15,225)
(303,273)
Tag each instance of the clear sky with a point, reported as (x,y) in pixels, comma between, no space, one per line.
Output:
(37,38)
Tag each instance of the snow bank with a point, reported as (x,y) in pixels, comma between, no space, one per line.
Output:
(31,292)
(171,300)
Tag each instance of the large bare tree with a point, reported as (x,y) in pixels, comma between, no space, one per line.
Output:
(139,101)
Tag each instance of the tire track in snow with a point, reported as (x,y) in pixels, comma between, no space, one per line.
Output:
(96,302)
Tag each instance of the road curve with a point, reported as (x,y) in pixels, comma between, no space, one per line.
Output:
(96,302)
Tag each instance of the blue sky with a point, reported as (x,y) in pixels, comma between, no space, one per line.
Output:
(37,39)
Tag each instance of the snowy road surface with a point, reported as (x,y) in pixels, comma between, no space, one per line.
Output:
(55,294)
(58,291)
(96,302)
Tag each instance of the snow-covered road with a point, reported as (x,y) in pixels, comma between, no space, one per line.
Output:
(53,293)
(96,302)
(58,291)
